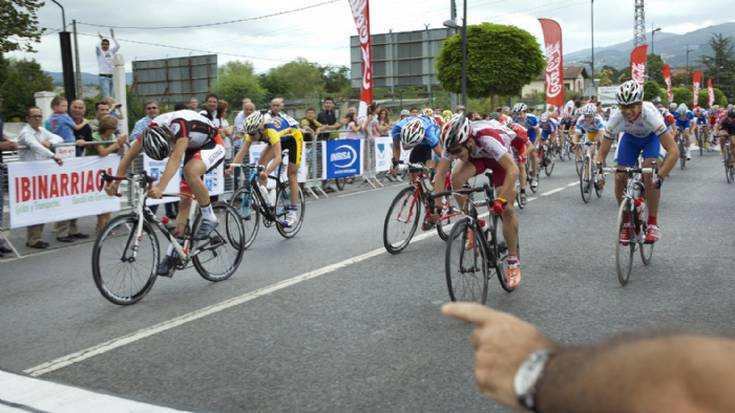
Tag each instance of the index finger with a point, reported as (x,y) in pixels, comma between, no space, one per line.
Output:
(471,312)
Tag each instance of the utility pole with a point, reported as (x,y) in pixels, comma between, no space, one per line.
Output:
(78,67)
(464,54)
(592,32)
(688,50)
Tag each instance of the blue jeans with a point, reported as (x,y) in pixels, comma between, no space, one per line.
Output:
(106,86)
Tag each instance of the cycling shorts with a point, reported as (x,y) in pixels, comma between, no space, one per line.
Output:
(212,154)
(294,149)
(567,123)
(545,134)
(483,164)
(631,146)
(420,154)
(519,148)
(592,136)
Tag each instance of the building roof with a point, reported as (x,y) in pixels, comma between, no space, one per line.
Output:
(571,72)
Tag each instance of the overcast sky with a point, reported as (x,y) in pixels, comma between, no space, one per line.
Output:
(321,34)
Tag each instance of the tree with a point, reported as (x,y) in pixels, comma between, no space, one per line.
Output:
(682,95)
(22,79)
(19,26)
(651,90)
(721,65)
(336,79)
(237,80)
(296,79)
(500,61)
(624,76)
(654,67)
(720,98)
(605,77)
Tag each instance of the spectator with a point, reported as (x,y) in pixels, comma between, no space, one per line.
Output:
(352,128)
(5,145)
(210,109)
(83,135)
(414,111)
(63,125)
(105,56)
(309,125)
(516,364)
(373,131)
(115,108)
(152,109)
(384,124)
(327,118)
(106,132)
(459,109)
(405,113)
(193,104)
(101,109)
(223,109)
(37,140)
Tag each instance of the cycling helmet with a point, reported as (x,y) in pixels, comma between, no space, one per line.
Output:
(508,120)
(672,107)
(682,108)
(412,133)
(428,112)
(157,141)
(589,109)
(456,131)
(731,112)
(493,116)
(629,93)
(254,121)
(544,117)
(520,107)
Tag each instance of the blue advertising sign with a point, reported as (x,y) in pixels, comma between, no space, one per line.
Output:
(343,158)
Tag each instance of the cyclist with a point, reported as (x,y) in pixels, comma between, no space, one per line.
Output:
(683,117)
(549,132)
(589,127)
(530,122)
(420,134)
(644,132)
(280,132)
(479,146)
(186,135)
(726,128)
(519,143)
(700,116)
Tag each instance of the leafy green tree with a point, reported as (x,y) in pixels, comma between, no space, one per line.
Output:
(682,95)
(720,98)
(651,90)
(22,79)
(623,76)
(605,77)
(721,65)
(336,79)
(654,67)
(296,79)
(237,80)
(19,26)
(500,61)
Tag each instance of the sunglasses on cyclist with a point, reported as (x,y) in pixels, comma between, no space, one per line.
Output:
(456,150)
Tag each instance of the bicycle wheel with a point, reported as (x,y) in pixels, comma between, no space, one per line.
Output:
(465,264)
(498,250)
(624,252)
(124,276)
(283,204)
(646,250)
(246,205)
(682,154)
(548,162)
(578,163)
(596,180)
(700,142)
(585,181)
(729,173)
(401,220)
(218,257)
(450,214)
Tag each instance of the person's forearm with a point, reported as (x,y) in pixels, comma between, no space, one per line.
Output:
(396,151)
(172,166)
(681,373)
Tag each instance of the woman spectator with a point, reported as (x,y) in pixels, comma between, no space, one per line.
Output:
(352,129)
(106,132)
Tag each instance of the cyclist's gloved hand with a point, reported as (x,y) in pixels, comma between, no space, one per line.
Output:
(111,188)
(499,206)
(155,192)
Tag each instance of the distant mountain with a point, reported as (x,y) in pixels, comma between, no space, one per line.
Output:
(87,78)
(671,46)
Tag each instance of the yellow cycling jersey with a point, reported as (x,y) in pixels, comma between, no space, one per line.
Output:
(592,135)
(278,127)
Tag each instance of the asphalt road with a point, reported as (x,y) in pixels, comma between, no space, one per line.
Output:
(366,334)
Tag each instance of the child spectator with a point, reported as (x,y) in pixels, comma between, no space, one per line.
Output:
(106,132)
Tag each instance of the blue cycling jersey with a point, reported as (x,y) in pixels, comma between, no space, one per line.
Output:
(431,136)
(530,123)
(686,122)
(597,124)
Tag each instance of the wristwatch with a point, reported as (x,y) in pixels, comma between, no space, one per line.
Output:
(527,376)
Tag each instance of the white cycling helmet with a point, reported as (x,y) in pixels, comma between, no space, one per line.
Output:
(544,117)
(157,141)
(589,109)
(412,133)
(682,108)
(520,107)
(629,93)
(254,121)
(456,131)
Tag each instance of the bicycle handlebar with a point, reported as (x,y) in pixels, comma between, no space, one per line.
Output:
(632,170)
(462,191)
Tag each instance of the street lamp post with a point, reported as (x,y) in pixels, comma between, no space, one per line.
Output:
(592,33)
(653,33)
(451,24)
(688,50)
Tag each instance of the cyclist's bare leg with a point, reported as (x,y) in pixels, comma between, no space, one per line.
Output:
(620,179)
(732,148)
(462,172)
(653,195)
(293,182)
(183,215)
(531,153)
(522,174)
(510,227)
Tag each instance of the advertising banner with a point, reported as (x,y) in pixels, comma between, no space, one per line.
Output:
(361,14)
(343,158)
(638,64)
(710,93)
(696,83)
(554,62)
(383,153)
(42,191)
(214,180)
(666,71)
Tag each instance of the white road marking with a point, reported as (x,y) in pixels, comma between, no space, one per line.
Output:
(360,192)
(572,184)
(118,342)
(23,394)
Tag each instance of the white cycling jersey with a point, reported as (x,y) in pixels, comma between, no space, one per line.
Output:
(491,138)
(190,124)
(649,121)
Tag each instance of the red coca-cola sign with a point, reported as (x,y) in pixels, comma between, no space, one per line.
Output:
(554,62)
(361,14)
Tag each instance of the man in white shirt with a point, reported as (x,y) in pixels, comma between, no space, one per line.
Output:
(105,56)
(37,141)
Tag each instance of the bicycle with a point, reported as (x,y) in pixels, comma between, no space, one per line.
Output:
(565,150)
(468,266)
(129,241)
(728,161)
(633,205)
(701,138)
(404,212)
(546,157)
(681,142)
(591,176)
(252,204)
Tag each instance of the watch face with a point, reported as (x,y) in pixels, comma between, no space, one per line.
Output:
(524,383)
